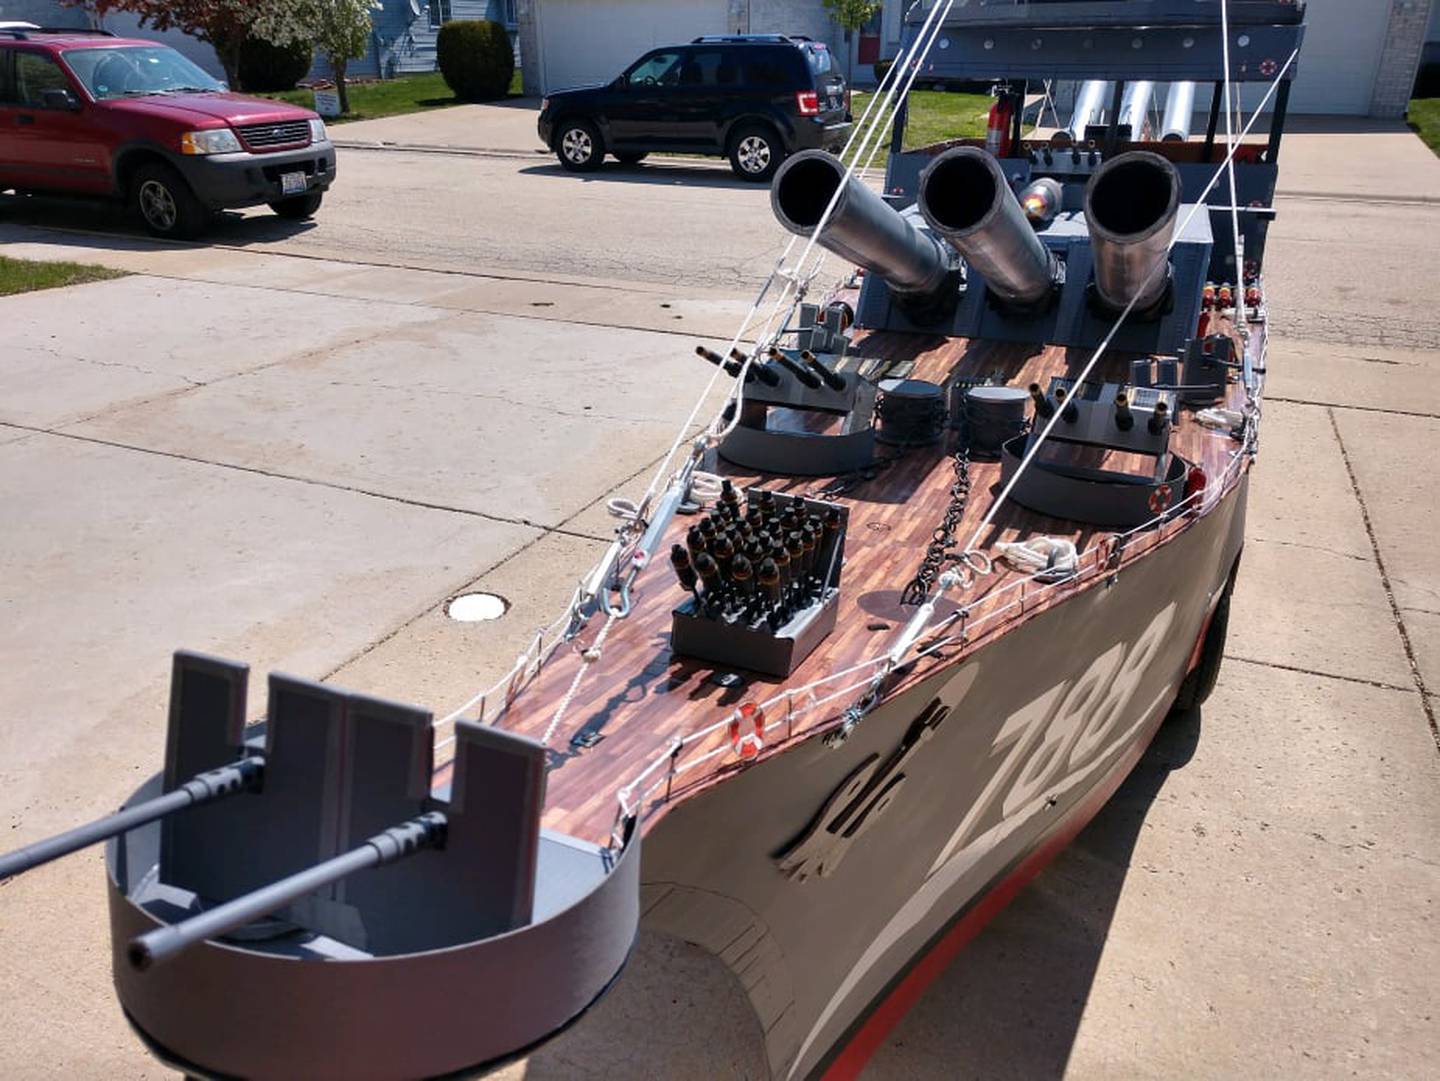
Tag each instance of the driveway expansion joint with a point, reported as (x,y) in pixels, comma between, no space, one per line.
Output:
(1425,699)
(294,478)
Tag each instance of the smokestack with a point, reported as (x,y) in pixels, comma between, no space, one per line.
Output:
(1130,208)
(1135,107)
(863,229)
(1090,105)
(1179,111)
(966,199)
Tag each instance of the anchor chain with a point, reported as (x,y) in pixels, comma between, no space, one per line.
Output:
(943,540)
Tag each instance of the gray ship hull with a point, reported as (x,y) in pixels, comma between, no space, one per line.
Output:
(836,882)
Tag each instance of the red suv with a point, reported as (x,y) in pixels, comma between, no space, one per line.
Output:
(84,112)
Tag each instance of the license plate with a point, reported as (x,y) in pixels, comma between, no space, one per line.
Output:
(292,183)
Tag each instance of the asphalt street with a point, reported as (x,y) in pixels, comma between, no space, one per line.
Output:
(294,444)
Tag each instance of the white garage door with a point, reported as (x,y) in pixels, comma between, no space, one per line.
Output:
(1341,56)
(583,42)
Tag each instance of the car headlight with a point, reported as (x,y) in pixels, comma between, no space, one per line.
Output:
(544,105)
(214,141)
(317,131)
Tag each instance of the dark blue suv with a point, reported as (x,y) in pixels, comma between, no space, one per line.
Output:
(754,99)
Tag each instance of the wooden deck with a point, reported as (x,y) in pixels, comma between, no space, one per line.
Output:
(637,696)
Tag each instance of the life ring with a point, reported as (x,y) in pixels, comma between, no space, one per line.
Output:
(1160,499)
(1268,67)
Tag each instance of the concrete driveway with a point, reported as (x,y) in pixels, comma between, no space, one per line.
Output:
(293,446)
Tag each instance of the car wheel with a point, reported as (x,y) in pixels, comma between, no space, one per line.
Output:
(579,146)
(299,207)
(1197,686)
(165,203)
(755,153)
(631,157)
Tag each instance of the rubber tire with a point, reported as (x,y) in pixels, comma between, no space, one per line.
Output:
(299,207)
(777,152)
(632,157)
(1196,687)
(191,215)
(597,146)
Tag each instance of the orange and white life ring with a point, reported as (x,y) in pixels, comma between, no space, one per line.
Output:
(1160,499)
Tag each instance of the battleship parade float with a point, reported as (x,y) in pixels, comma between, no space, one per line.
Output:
(868,652)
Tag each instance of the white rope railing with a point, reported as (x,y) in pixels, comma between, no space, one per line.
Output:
(1106,556)
(793,285)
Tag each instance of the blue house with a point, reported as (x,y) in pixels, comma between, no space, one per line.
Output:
(403,33)
(402,36)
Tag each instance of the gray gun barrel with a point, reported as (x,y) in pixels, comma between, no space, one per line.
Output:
(216,784)
(396,843)
(1179,112)
(864,228)
(967,200)
(1130,208)
(1090,102)
(1135,107)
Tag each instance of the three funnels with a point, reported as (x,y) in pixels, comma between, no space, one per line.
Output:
(966,199)
(1130,207)
(863,228)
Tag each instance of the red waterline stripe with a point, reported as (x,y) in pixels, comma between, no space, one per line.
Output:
(867,1039)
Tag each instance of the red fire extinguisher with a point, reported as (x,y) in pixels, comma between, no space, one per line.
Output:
(997,131)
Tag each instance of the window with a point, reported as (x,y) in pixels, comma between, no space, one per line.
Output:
(819,56)
(705,68)
(35,74)
(767,68)
(508,10)
(657,69)
(132,71)
(439,12)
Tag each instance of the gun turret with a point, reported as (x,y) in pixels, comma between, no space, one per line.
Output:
(863,229)
(967,200)
(803,374)
(1130,207)
(391,846)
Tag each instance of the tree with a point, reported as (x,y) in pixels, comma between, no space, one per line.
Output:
(225,24)
(340,30)
(852,15)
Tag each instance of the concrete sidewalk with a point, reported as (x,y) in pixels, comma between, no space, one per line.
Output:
(506,127)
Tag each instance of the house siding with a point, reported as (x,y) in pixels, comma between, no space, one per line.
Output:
(403,43)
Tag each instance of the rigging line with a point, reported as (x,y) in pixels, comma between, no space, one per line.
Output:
(860,132)
(1232,103)
(933,32)
(797,280)
(1120,321)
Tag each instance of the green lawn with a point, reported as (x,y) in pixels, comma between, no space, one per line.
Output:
(936,115)
(390,97)
(23,276)
(1425,119)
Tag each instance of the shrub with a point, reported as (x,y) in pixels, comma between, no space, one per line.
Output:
(476,59)
(882,69)
(266,68)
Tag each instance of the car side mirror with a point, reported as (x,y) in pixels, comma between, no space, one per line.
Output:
(61,99)
(621,83)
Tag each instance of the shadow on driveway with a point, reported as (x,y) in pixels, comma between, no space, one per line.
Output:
(108,225)
(1010,1005)
(671,172)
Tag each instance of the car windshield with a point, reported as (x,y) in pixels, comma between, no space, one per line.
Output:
(134,71)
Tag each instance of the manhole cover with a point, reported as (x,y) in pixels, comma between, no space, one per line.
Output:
(477,607)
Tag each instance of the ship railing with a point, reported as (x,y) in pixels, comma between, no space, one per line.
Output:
(966,626)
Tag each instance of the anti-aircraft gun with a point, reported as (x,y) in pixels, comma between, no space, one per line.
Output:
(286,898)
